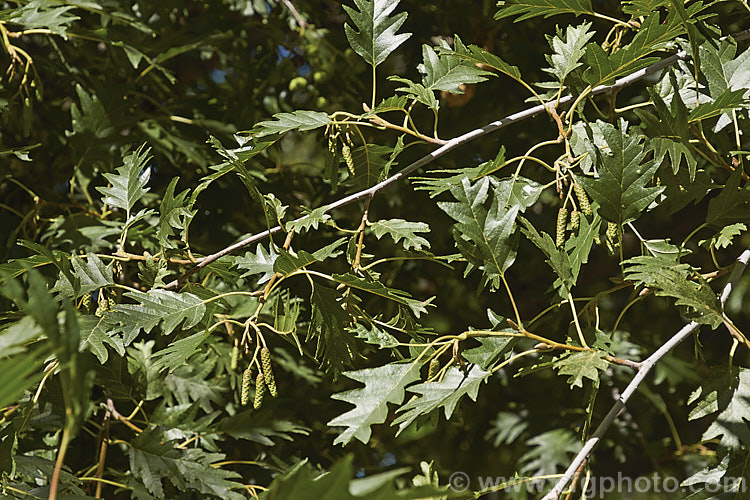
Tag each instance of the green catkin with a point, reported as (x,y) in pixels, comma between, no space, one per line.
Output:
(235,356)
(117,269)
(86,302)
(433,370)
(102,304)
(583,199)
(265,360)
(245,390)
(611,236)
(111,302)
(611,230)
(575,219)
(562,218)
(260,386)
(346,152)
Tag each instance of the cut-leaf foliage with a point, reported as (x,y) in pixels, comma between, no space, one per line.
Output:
(152,461)
(557,259)
(444,71)
(651,37)
(728,394)
(335,346)
(400,229)
(129,183)
(672,279)
(444,393)
(580,365)
(174,213)
(731,204)
(569,48)
(383,385)
(303,482)
(620,189)
(170,309)
(526,9)
(484,234)
(297,120)
(374,35)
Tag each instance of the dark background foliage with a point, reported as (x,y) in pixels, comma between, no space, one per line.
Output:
(109,76)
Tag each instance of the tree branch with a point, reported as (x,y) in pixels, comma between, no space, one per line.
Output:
(446,148)
(646,366)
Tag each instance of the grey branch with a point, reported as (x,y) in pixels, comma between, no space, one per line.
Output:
(646,366)
(447,147)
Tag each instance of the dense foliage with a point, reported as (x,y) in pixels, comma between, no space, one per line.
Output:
(242,257)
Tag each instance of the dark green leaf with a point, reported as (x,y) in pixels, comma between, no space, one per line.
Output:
(676,280)
(526,9)
(620,190)
(729,395)
(297,120)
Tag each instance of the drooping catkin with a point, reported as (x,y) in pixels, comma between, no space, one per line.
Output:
(86,302)
(117,269)
(583,199)
(102,304)
(245,390)
(260,387)
(346,152)
(265,359)
(611,236)
(235,356)
(562,218)
(575,219)
(611,230)
(433,370)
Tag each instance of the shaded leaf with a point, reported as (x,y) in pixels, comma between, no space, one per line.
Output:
(329,322)
(731,205)
(374,335)
(727,394)
(556,258)
(174,213)
(152,460)
(653,34)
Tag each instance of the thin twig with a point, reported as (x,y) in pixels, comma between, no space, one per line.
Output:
(293,10)
(446,148)
(646,366)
